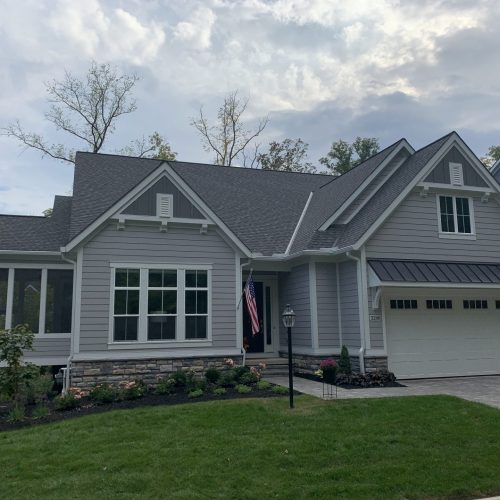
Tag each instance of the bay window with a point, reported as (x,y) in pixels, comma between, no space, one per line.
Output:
(41,298)
(161,304)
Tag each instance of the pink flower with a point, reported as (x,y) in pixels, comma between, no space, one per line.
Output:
(229,362)
(328,363)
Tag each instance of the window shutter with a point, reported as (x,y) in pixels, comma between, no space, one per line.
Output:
(456,174)
(164,205)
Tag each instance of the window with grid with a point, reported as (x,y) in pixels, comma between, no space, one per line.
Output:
(455,215)
(196,304)
(404,304)
(162,304)
(475,304)
(126,305)
(439,304)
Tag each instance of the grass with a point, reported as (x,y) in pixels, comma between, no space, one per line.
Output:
(421,447)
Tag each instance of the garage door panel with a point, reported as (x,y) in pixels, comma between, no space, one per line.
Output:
(440,343)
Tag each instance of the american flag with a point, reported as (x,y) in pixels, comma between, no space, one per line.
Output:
(252,306)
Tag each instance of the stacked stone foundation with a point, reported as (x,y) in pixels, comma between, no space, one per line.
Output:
(86,374)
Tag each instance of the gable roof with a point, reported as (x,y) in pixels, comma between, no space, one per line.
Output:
(27,233)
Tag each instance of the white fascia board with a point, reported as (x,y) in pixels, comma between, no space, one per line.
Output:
(404,144)
(35,253)
(412,284)
(396,202)
(299,223)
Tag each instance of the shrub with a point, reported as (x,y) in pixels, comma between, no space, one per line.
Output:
(196,393)
(219,391)
(40,412)
(344,361)
(180,378)
(133,389)
(248,378)
(243,389)
(280,389)
(66,402)
(212,375)
(103,393)
(39,388)
(165,386)
(12,344)
(376,378)
(227,379)
(16,413)
(239,371)
(263,385)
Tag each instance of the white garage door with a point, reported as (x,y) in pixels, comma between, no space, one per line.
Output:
(444,337)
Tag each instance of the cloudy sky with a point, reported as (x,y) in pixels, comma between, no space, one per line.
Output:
(321,69)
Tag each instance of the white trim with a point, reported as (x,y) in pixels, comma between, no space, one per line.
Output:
(158,344)
(455,234)
(10,299)
(299,223)
(384,324)
(77,306)
(43,302)
(364,284)
(30,252)
(339,308)
(239,300)
(313,301)
(163,170)
(41,336)
(164,265)
(155,354)
(448,187)
(365,183)
(155,218)
(413,284)
(30,265)
(47,360)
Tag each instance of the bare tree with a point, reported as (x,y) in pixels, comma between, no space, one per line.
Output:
(87,109)
(154,146)
(228,137)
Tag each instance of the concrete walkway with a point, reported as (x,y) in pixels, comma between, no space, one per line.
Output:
(480,389)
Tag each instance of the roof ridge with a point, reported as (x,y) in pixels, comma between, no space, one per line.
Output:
(91,153)
(24,215)
(436,141)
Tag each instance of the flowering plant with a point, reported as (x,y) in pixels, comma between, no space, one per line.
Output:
(327,370)
(229,362)
(133,389)
(77,393)
(328,364)
(257,370)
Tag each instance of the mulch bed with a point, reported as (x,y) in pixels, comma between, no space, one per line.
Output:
(310,376)
(149,399)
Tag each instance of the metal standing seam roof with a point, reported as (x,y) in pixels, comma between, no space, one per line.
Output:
(406,271)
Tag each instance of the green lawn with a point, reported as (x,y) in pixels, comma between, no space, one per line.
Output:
(422,447)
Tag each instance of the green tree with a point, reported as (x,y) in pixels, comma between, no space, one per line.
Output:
(491,156)
(344,156)
(154,146)
(288,155)
(87,110)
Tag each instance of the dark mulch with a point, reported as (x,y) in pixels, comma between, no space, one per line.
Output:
(150,399)
(311,376)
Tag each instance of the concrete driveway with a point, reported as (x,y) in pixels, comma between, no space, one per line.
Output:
(484,389)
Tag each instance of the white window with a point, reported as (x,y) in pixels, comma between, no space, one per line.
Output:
(196,304)
(455,215)
(126,305)
(164,205)
(162,304)
(157,303)
(456,174)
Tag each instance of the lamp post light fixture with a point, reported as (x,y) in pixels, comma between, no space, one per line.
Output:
(289,320)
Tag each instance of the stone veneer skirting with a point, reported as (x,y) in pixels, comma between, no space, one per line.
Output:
(310,363)
(85,374)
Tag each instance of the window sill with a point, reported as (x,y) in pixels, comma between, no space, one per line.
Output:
(52,336)
(457,236)
(172,344)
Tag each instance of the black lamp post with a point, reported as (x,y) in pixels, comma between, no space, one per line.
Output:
(289,320)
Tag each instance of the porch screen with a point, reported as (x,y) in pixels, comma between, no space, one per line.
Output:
(27,292)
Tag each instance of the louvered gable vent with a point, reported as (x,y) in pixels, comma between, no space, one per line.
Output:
(456,174)
(164,205)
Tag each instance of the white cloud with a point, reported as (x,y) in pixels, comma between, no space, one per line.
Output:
(197,29)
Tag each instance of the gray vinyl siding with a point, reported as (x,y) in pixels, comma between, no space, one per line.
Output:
(441,173)
(146,203)
(349,304)
(412,232)
(374,185)
(326,299)
(49,348)
(144,243)
(294,290)
(376,326)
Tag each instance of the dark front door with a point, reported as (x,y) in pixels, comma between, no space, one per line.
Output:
(254,343)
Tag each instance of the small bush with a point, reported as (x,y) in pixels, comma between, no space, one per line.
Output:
(239,371)
(40,412)
(280,389)
(376,378)
(263,385)
(39,388)
(180,378)
(16,414)
(248,378)
(193,382)
(196,393)
(344,364)
(212,375)
(243,389)
(227,379)
(219,391)
(165,386)
(133,389)
(66,402)
(103,394)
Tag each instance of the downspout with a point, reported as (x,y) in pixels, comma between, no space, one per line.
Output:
(243,352)
(67,370)
(362,305)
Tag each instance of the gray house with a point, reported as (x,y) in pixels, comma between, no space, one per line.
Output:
(141,270)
